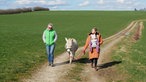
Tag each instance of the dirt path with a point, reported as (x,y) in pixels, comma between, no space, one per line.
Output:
(53,74)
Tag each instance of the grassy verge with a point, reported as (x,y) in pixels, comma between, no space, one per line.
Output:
(132,55)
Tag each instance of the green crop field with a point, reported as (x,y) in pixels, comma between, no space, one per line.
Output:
(132,55)
(21,46)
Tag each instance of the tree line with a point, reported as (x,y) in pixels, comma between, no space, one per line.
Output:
(144,9)
(23,10)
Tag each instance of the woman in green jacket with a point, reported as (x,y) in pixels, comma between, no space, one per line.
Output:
(49,38)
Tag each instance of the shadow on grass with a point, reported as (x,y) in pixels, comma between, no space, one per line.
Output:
(109,64)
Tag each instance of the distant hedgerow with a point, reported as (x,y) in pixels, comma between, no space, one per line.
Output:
(23,10)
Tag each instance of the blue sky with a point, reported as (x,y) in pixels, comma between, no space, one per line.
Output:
(75,4)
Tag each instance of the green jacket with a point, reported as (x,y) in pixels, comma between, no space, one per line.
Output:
(49,37)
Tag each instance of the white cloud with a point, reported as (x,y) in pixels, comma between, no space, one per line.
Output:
(54,7)
(41,2)
(3,2)
(85,3)
(23,2)
(55,2)
(100,2)
(120,1)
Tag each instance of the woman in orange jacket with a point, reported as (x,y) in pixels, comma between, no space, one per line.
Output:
(93,41)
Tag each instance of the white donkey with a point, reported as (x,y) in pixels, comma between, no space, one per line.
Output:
(71,47)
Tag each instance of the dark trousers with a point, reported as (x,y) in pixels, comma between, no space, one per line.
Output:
(94,62)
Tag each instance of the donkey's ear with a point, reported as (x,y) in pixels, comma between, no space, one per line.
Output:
(65,39)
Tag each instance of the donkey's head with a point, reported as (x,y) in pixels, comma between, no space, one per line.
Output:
(69,43)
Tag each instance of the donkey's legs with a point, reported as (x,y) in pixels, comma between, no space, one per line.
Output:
(71,58)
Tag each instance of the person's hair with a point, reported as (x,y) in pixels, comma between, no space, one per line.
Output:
(50,24)
(95,30)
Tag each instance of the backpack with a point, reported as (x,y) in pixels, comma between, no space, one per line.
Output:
(94,42)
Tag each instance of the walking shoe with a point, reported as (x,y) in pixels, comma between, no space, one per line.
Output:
(49,64)
(97,68)
(52,65)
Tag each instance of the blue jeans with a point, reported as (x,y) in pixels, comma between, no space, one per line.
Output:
(50,53)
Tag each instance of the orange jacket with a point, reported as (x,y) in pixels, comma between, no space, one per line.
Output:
(94,53)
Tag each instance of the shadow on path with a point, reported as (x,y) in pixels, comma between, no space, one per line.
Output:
(62,63)
(83,60)
(109,64)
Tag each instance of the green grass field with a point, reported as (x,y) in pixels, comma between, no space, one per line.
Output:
(132,55)
(21,46)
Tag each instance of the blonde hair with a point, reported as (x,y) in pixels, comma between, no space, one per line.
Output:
(51,24)
(95,29)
